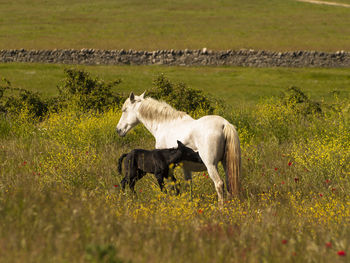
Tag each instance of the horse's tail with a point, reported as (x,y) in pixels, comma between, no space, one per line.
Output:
(232,159)
(120,163)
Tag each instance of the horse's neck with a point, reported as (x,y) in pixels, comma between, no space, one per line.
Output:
(151,125)
(155,126)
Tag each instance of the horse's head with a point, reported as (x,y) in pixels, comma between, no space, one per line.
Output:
(129,118)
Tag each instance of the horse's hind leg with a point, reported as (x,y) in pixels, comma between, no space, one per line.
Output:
(212,154)
(219,185)
(226,180)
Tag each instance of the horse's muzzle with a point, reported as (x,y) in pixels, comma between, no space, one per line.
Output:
(121,132)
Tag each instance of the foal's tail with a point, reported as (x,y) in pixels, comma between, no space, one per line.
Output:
(232,159)
(120,163)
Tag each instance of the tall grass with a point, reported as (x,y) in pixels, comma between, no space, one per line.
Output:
(60,198)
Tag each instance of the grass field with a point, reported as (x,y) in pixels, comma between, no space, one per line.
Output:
(235,85)
(150,25)
(60,197)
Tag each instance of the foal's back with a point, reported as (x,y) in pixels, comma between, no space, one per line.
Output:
(151,160)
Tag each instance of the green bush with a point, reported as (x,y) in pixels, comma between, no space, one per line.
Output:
(300,102)
(14,100)
(87,93)
(182,97)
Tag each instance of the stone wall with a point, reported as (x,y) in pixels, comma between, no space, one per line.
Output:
(203,57)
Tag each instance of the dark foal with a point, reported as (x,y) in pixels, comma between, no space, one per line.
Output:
(138,162)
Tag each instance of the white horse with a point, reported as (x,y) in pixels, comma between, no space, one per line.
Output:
(212,136)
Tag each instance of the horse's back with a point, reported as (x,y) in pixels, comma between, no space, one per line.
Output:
(209,128)
(212,121)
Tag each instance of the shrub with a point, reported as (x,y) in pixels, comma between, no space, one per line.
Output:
(182,97)
(300,102)
(14,100)
(87,93)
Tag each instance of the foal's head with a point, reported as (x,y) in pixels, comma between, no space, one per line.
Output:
(184,153)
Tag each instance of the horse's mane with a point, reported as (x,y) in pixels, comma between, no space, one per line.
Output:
(152,109)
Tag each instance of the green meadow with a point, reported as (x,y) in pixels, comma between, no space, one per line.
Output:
(194,24)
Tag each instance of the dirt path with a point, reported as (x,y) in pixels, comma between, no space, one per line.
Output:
(325,3)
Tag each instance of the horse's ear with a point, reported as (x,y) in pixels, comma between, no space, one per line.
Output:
(132,97)
(142,96)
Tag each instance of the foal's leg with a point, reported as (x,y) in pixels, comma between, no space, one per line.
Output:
(133,177)
(137,175)
(126,178)
(132,185)
(140,174)
(176,188)
(123,182)
(188,177)
(160,179)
